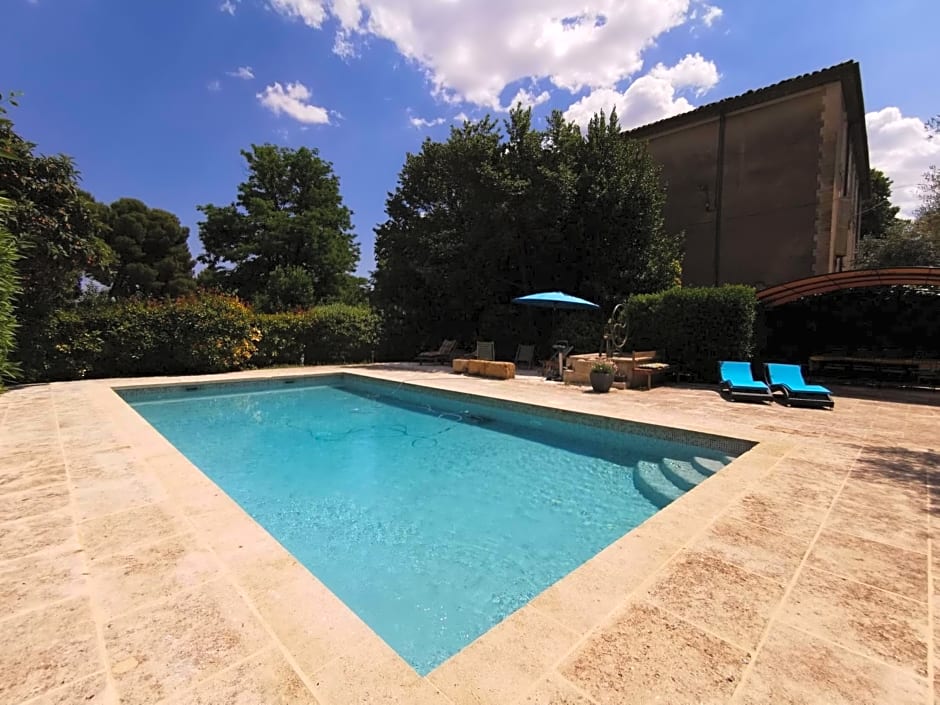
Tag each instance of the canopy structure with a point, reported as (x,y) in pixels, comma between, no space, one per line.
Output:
(554,299)
(851,279)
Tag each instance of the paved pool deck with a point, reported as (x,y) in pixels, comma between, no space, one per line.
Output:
(803,572)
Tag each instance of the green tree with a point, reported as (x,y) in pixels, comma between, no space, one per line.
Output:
(55,234)
(488,215)
(9,289)
(151,256)
(907,244)
(878,213)
(287,227)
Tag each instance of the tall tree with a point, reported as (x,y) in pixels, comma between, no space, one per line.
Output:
(55,233)
(878,213)
(151,255)
(9,281)
(484,217)
(287,240)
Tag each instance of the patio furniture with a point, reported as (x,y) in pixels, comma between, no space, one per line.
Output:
(738,382)
(928,372)
(441,355)
(486,350)
(560,355)
(525,355)
(647,367)
(789,380)
(485,368)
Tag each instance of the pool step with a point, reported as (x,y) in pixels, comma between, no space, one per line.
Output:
(682,473)
(649,480)
(707,466)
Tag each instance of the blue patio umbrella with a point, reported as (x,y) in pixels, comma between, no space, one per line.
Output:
(555,300)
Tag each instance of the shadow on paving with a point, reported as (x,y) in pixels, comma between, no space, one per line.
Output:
(925,397)
(906,467)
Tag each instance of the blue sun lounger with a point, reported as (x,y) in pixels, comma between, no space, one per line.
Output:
(789,380)
(739,383)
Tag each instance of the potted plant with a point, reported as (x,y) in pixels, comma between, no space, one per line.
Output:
(602,376)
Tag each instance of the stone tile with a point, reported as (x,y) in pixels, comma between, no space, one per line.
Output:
(798,485)
(93,690)
(586,596)
(717,596)
(200,633)
(116,532)
(53,530)
(314,624)
(794,668)
(373,674)
(32,471)
(555,690)
(38,500)
(871,562)
(29,582)
(648,656)
(885,523)
(785,516)
(151,572)
(504,663)
(262,679)
(44,649)
(755,548)
(109,496)
(881,492)
(861,618)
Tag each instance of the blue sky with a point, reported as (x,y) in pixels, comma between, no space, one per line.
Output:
(145,96)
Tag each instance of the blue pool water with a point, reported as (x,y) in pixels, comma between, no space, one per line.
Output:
(433,517)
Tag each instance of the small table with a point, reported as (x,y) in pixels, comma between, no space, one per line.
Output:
(651,369)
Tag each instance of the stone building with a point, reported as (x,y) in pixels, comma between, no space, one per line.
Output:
(767,185)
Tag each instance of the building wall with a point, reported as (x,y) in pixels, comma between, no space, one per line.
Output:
(778,198)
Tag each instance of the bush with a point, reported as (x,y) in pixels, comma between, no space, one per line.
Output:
(195,335)
(327,334)
(9,288)
(694,328)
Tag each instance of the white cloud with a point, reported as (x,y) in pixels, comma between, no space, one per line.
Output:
(693,71)
(461,117)
(243,72)
(901,148)
(293,100)
(710,13)
(310,12)
(229,6)
(471,51)
(421,122)
(528,99)
(651,97)
(214,86)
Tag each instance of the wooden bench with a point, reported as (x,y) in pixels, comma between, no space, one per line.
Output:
(647,367)
(484,368)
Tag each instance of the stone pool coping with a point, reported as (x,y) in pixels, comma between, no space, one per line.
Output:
(234,605)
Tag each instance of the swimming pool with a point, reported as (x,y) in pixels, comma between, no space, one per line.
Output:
(433,516)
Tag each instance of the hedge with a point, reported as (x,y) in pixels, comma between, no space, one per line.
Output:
(694,328)
(194,335)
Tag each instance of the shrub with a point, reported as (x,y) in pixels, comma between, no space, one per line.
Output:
(9,288)
(194,335)
(695,327)
(327,334)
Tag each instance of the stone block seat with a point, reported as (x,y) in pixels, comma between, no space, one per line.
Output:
(641,368)
(484,368)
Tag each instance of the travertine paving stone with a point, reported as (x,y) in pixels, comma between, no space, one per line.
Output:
(861,618)
(717,596)
(46,648)
(648,656)
(795,668)
(798,574)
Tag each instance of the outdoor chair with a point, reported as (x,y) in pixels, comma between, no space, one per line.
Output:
(788,379)
(739,384)
(525,355)
(440,356)
(486,350)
